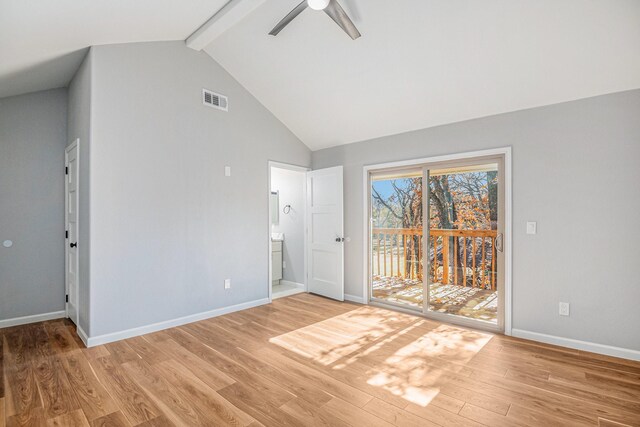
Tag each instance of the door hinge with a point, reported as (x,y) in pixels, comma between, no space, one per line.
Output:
(66,234)
(66,170)
(66,298)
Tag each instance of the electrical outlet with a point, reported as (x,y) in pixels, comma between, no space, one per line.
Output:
(564,309)
(284,264)
(227,283)
(532,227)
(227,171)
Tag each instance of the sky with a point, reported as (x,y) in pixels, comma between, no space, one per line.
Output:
(385,189)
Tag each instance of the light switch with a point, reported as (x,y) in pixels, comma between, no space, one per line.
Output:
(227,171)
(531,227)
(227,283)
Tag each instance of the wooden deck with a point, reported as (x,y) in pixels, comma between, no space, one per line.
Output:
(474,303)
(309,361)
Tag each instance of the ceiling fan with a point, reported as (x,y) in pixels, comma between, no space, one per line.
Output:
(330,7)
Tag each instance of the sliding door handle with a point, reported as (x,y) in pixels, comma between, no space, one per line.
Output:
(500,242)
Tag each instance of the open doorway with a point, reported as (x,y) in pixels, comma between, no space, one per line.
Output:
(287,219)
(436,239)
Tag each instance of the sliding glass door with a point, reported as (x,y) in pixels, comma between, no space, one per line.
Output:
(436,240)
(396,238)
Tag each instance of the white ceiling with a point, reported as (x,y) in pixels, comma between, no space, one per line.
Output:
(423,63)
(42,42)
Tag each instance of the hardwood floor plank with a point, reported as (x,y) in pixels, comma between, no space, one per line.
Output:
(583,402)
(441,416)
(276,394)
(310,414)
(319,379)
(71,419)
(487,418)
(21,390)
(527,416)
(396,416)
(258,405)
(32,418)
(603,422)
(93,398)
(60,338)
(114,419)
(132,400)
(3,413)
(121,352)
(353,415)
(171,402)
(58,398)
(147,351)
(95,352)
(18,349)
(207,373)
(161,421)
(209,401)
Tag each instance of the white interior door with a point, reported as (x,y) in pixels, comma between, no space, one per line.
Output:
(325,247)
(71,220)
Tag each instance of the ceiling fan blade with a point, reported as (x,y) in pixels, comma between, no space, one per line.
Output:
(290,16)
(337,13)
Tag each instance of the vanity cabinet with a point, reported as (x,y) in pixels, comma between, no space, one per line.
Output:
(276,261)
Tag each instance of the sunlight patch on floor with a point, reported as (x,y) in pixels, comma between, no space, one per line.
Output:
(336,338)
(405,358)
(412,373)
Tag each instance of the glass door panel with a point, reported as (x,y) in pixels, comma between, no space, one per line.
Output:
(463,230)
(396,264)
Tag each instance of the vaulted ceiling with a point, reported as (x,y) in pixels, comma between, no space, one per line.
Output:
(421,63)
(42,42)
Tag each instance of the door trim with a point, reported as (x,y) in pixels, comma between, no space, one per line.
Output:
(75,144)
(288,166)
(502,151)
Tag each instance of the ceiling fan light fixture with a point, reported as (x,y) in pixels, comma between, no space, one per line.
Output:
(318,4)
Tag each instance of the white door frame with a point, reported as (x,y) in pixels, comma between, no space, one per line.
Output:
(75,144)
(503,151)
(288,166)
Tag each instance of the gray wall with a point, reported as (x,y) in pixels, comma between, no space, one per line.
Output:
(167,227)
(33,133)
(291,185)
(80,128)
(576,171)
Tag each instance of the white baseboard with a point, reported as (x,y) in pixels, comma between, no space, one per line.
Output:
(607,350)
(298,288)
(353,298)
(290,283)
(83,335)
(32,319)
(147,329)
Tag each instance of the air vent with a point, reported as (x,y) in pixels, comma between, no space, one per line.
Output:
(215,100)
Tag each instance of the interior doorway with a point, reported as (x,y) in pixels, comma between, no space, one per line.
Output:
(306,231)
(436,238)
(287,225)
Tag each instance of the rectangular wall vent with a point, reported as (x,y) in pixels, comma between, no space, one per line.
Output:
(215,100)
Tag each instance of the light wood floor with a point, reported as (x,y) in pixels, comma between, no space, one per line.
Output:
(305,360)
